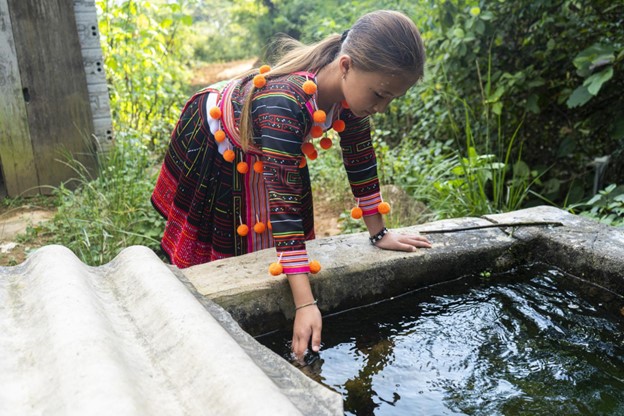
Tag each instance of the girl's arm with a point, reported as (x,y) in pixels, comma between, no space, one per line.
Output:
(283,122)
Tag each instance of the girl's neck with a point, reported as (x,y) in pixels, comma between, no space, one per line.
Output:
(328,81)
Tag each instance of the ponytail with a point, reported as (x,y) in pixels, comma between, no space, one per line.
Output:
(297,57)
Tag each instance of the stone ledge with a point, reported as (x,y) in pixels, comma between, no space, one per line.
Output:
(260,302)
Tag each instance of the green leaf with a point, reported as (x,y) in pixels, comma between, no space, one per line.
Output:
(551,44)
(479,27)
(497,94)
(533,104)
(521,169)
(497,108)
(187,20)
(567,147)
(579,97)
(594,83)
(472,154)
(552,186)
(458,33)
(486,16)
(595,56)
(617,131)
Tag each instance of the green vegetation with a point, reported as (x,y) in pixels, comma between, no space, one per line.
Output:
(518,100)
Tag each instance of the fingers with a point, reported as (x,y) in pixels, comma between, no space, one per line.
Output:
(316,339)
(400,242)
(295,348)
(417,241)
(307,328)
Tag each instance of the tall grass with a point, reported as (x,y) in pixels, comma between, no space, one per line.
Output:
(103,215)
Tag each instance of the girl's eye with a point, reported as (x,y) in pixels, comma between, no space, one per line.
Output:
(378,95)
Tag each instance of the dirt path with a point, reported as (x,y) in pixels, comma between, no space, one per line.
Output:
(210,73)
(13,223)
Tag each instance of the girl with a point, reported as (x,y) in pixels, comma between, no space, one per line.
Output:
(234,179)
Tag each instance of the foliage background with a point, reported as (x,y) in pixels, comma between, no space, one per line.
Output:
(521,104)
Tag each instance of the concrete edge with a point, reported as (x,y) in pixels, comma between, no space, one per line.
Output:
(259,302)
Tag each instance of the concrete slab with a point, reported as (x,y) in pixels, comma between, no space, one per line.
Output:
(128,338)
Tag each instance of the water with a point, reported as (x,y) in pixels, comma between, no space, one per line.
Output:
(531,342)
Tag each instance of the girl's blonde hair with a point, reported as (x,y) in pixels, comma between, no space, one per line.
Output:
(382,41)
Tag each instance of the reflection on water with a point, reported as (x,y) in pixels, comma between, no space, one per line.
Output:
(529,342)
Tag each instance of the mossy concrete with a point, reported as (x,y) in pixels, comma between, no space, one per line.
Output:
(355,273)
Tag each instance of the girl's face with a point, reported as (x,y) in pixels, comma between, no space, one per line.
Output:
(368,93)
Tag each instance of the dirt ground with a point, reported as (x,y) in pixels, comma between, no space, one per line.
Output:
(210,73)
(14,222)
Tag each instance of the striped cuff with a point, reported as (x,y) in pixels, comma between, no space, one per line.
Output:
(370,203)
(295,261)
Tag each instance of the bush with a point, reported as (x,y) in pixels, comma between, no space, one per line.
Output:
(555,64)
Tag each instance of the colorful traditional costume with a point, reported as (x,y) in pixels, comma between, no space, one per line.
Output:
(205,198)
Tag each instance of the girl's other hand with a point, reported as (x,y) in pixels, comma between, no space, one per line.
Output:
(401,242)
(308,325)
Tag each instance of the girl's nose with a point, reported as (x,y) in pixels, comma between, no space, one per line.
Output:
(381,106)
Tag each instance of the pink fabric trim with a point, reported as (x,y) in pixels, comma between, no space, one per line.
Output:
(296,270)
(370,203)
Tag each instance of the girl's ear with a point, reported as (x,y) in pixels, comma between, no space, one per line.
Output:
(345,64)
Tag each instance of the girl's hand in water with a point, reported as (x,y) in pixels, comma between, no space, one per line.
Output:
(402,242)
(307,326)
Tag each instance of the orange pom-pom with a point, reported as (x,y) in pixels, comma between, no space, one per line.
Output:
(309,87)
(313,155)
(319,116)
(315,267)
(269,225)
(303,162)
(229,155)
(259,227)
(264,69)
(316,131)
(356,213)
(242,230)
(344,104)
(276,269)
(307,148)
(338,126)
(259,81)
(383,208)
(215,112)
(326,143)
(242,167)
(258,166)
(219,136)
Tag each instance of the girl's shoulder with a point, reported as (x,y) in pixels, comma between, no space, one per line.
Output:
(293,82)
(289,87)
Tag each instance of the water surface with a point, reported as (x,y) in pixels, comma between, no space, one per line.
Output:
(530,342)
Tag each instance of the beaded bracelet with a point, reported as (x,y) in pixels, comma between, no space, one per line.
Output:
(307,304)
(377,237)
